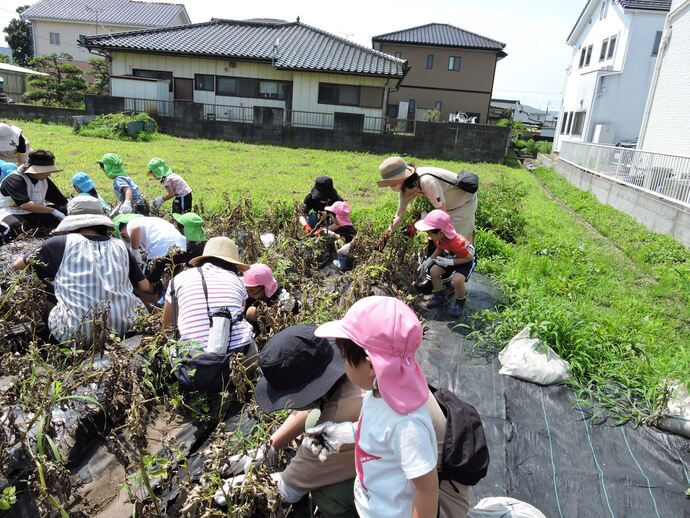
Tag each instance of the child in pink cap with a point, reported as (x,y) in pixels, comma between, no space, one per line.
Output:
(343,231)
(263,287)
(395,441)
(458,261)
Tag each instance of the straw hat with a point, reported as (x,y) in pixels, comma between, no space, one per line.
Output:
(222,248)
(83,212)
(393,170)
(41,161)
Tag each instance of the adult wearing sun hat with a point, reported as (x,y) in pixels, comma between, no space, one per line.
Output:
(301,372)
(322,194)
(439,187)
(213,284)
(29,199)
(89,271)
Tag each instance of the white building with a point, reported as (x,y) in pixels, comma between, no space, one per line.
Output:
(666,127)
(57,24)
(615,44)
(231,67)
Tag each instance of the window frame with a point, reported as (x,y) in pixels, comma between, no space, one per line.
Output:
(570,123)
(459,61)
(197,77)
(54,38)
(588,58)
(656,46)
(604,49)
(583,53)
(397,54)
(338,86)
(578,122)
(429,61)
(604,10)
(156,74)
(438,105)
(613,40)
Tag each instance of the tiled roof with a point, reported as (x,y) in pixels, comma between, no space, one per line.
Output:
(118,12)
(648,5)
(290,46)
(440,35)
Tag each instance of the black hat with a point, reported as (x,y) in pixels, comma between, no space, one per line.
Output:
(323,189)
(297,368)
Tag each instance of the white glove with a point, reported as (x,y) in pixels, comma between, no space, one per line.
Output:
(445,262)
(344,250)
(332,234)
(238,464)
(219,497)
(157,202)
(424,267)
(327,438)
(287,302)
(126,207)
(57,214)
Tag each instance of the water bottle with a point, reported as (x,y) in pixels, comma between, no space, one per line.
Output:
(220,331)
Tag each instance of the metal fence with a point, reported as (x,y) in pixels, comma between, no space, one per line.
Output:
(150,106)
(667,175)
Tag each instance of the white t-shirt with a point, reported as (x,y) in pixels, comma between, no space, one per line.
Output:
(157,236)
(391,449)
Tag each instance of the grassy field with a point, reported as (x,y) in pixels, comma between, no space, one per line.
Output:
(608,295)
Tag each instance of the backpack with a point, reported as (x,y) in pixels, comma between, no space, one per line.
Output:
(465,181)
(465,456)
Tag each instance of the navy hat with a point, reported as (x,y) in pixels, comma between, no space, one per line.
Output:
(323,189)
(297,369)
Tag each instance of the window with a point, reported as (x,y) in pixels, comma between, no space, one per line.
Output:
(429,61)
(454,63)
(236,86)
(438,105)
(155,74)
(612,47)
(578,122)
(204,82)
(604,48)
(338,94)
(604,9)
(272,90)
(398,55)
(589,55)
(570,123)
(657,43)
(564,123)
(55,38)
(583,53)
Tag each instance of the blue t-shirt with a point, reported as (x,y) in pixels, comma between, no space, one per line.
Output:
(122,182)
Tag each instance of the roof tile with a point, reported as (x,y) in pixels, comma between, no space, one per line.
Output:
(440,34)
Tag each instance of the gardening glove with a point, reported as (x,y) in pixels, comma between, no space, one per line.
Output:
(57,214)
(307,228)
(126,207)
(345,249)
(445,262)
(327,438)
(287,302)
(157,202)
(219,497)
(238,464)
(424,267)
(332,234)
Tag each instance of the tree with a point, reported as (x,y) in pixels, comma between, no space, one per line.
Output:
(4,58)
(63,86)
(18,36)
(100,70)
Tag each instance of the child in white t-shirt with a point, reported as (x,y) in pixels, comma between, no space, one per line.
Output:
(395,443)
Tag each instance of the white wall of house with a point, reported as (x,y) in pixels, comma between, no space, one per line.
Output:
(305,85)
(667,128)
(610,92)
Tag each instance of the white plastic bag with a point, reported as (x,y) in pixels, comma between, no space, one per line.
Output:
(530,359)
(504,507)
(676,417)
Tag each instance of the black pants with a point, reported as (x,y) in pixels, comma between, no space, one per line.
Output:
(182,204)
(20,223)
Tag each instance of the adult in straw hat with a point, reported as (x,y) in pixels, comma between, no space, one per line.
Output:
(29,199)
(438,185)
(90,271)
(211,287)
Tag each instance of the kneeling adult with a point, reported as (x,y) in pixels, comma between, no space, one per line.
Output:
(89,270)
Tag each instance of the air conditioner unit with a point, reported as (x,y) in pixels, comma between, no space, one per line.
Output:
(604,134)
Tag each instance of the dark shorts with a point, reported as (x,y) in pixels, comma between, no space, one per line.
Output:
(182,204)
(463,269)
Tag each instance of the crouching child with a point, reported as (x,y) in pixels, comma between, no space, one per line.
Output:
(262,286)
(343,231)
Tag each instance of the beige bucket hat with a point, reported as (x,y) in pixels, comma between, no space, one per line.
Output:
(83,211)
(393,170)
(41,161)
(222,248)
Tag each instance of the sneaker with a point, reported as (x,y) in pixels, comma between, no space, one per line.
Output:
(457,307)
(340,263)
(437,300)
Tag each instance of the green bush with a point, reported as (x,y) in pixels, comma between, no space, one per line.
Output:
(501,209)
(115,126)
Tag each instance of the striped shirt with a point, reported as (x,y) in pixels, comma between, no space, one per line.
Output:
(225,290)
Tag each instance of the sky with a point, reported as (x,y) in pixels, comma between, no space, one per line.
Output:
(534,31)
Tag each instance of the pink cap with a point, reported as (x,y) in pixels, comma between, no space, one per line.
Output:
(342,212)
(261,275)
(437,219)
(390,332)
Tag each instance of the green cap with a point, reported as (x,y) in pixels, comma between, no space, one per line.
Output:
(122,219)
(159,168)
(112,165)
(193,226)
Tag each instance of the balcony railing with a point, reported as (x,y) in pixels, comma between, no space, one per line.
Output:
(150,106)
(666,175)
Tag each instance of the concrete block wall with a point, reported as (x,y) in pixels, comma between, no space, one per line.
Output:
(658,214)
(45,113)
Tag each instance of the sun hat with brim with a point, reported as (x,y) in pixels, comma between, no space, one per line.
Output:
(40,161)
(123,219)
(222,248)
(393,170)
(261,275)
(113,166)
(158,168)
(7,168)
(83,212)
(390,333)
(83,181)
(342,213)
(193,226)
(297,369)
(9,137)
(323,189)
(437,220)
